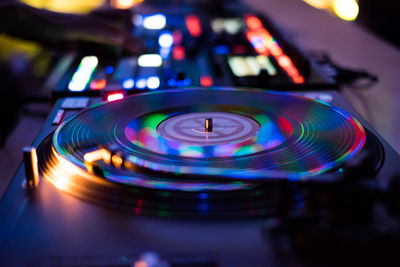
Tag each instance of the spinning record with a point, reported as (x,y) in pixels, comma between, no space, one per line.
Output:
(224,133)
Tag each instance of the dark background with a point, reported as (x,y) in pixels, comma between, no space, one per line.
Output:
(381,17)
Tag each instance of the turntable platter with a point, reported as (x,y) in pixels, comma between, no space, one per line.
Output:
(198,151)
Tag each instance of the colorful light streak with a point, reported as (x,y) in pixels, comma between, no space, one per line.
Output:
(83,73)
(265,45)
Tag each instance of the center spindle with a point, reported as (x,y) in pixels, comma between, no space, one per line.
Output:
(208,124)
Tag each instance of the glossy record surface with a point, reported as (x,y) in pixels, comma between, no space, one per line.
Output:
(298,137)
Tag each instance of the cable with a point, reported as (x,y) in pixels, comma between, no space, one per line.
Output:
(355,78)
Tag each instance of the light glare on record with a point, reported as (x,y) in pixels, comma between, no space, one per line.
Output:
(150,60)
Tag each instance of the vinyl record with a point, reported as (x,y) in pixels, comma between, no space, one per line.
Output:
(201,152)
(254,134)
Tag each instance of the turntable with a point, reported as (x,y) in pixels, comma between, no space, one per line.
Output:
(201,177)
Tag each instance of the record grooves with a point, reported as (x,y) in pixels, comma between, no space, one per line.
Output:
(226,193)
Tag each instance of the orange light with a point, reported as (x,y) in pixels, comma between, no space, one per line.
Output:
(252,22)
(115,97)
(193,25)
(124,4)
(178,52)
(284,61)
(141,263)
(98,84)
(206,81)
(264,44)
(100,154)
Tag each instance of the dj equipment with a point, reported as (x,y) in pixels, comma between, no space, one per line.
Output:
(202,176)
(191,45)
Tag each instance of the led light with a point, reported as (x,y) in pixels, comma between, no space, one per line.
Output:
(266,64)
(233,25)
(221,49)
(154,22)
(253,22)
(177,35)
(109,69)
(153,82)
(150,60)
(165,39)
(264,44)
(124,4)
(100,154)
(115,96)
(141,83)
(206,81)
(237,66)
(165,52)
(193,25)
(128,83)
(83,73)
(346,9)
(98,84)
(178,52)
(137,20)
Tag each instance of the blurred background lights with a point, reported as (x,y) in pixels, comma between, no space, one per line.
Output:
(320,4)
(153,82)
(346,9)
(150,60)
(128,83)
(124,4)
(141,83)
(154,22)
(165,39)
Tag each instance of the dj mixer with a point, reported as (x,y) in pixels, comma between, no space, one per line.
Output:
(189,46)
(221,145)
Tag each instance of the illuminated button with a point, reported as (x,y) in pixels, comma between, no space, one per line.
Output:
(75,102)
(193,25)
(109,69)
(150,60)
(128,83)
(206,81)
(141,83)
(177,36)
(253,22)
(98,84)
(154,22)
(166,39)
(57,119)
(221,50)
(83,73)
(178,52)
(153,82)
(115,96)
